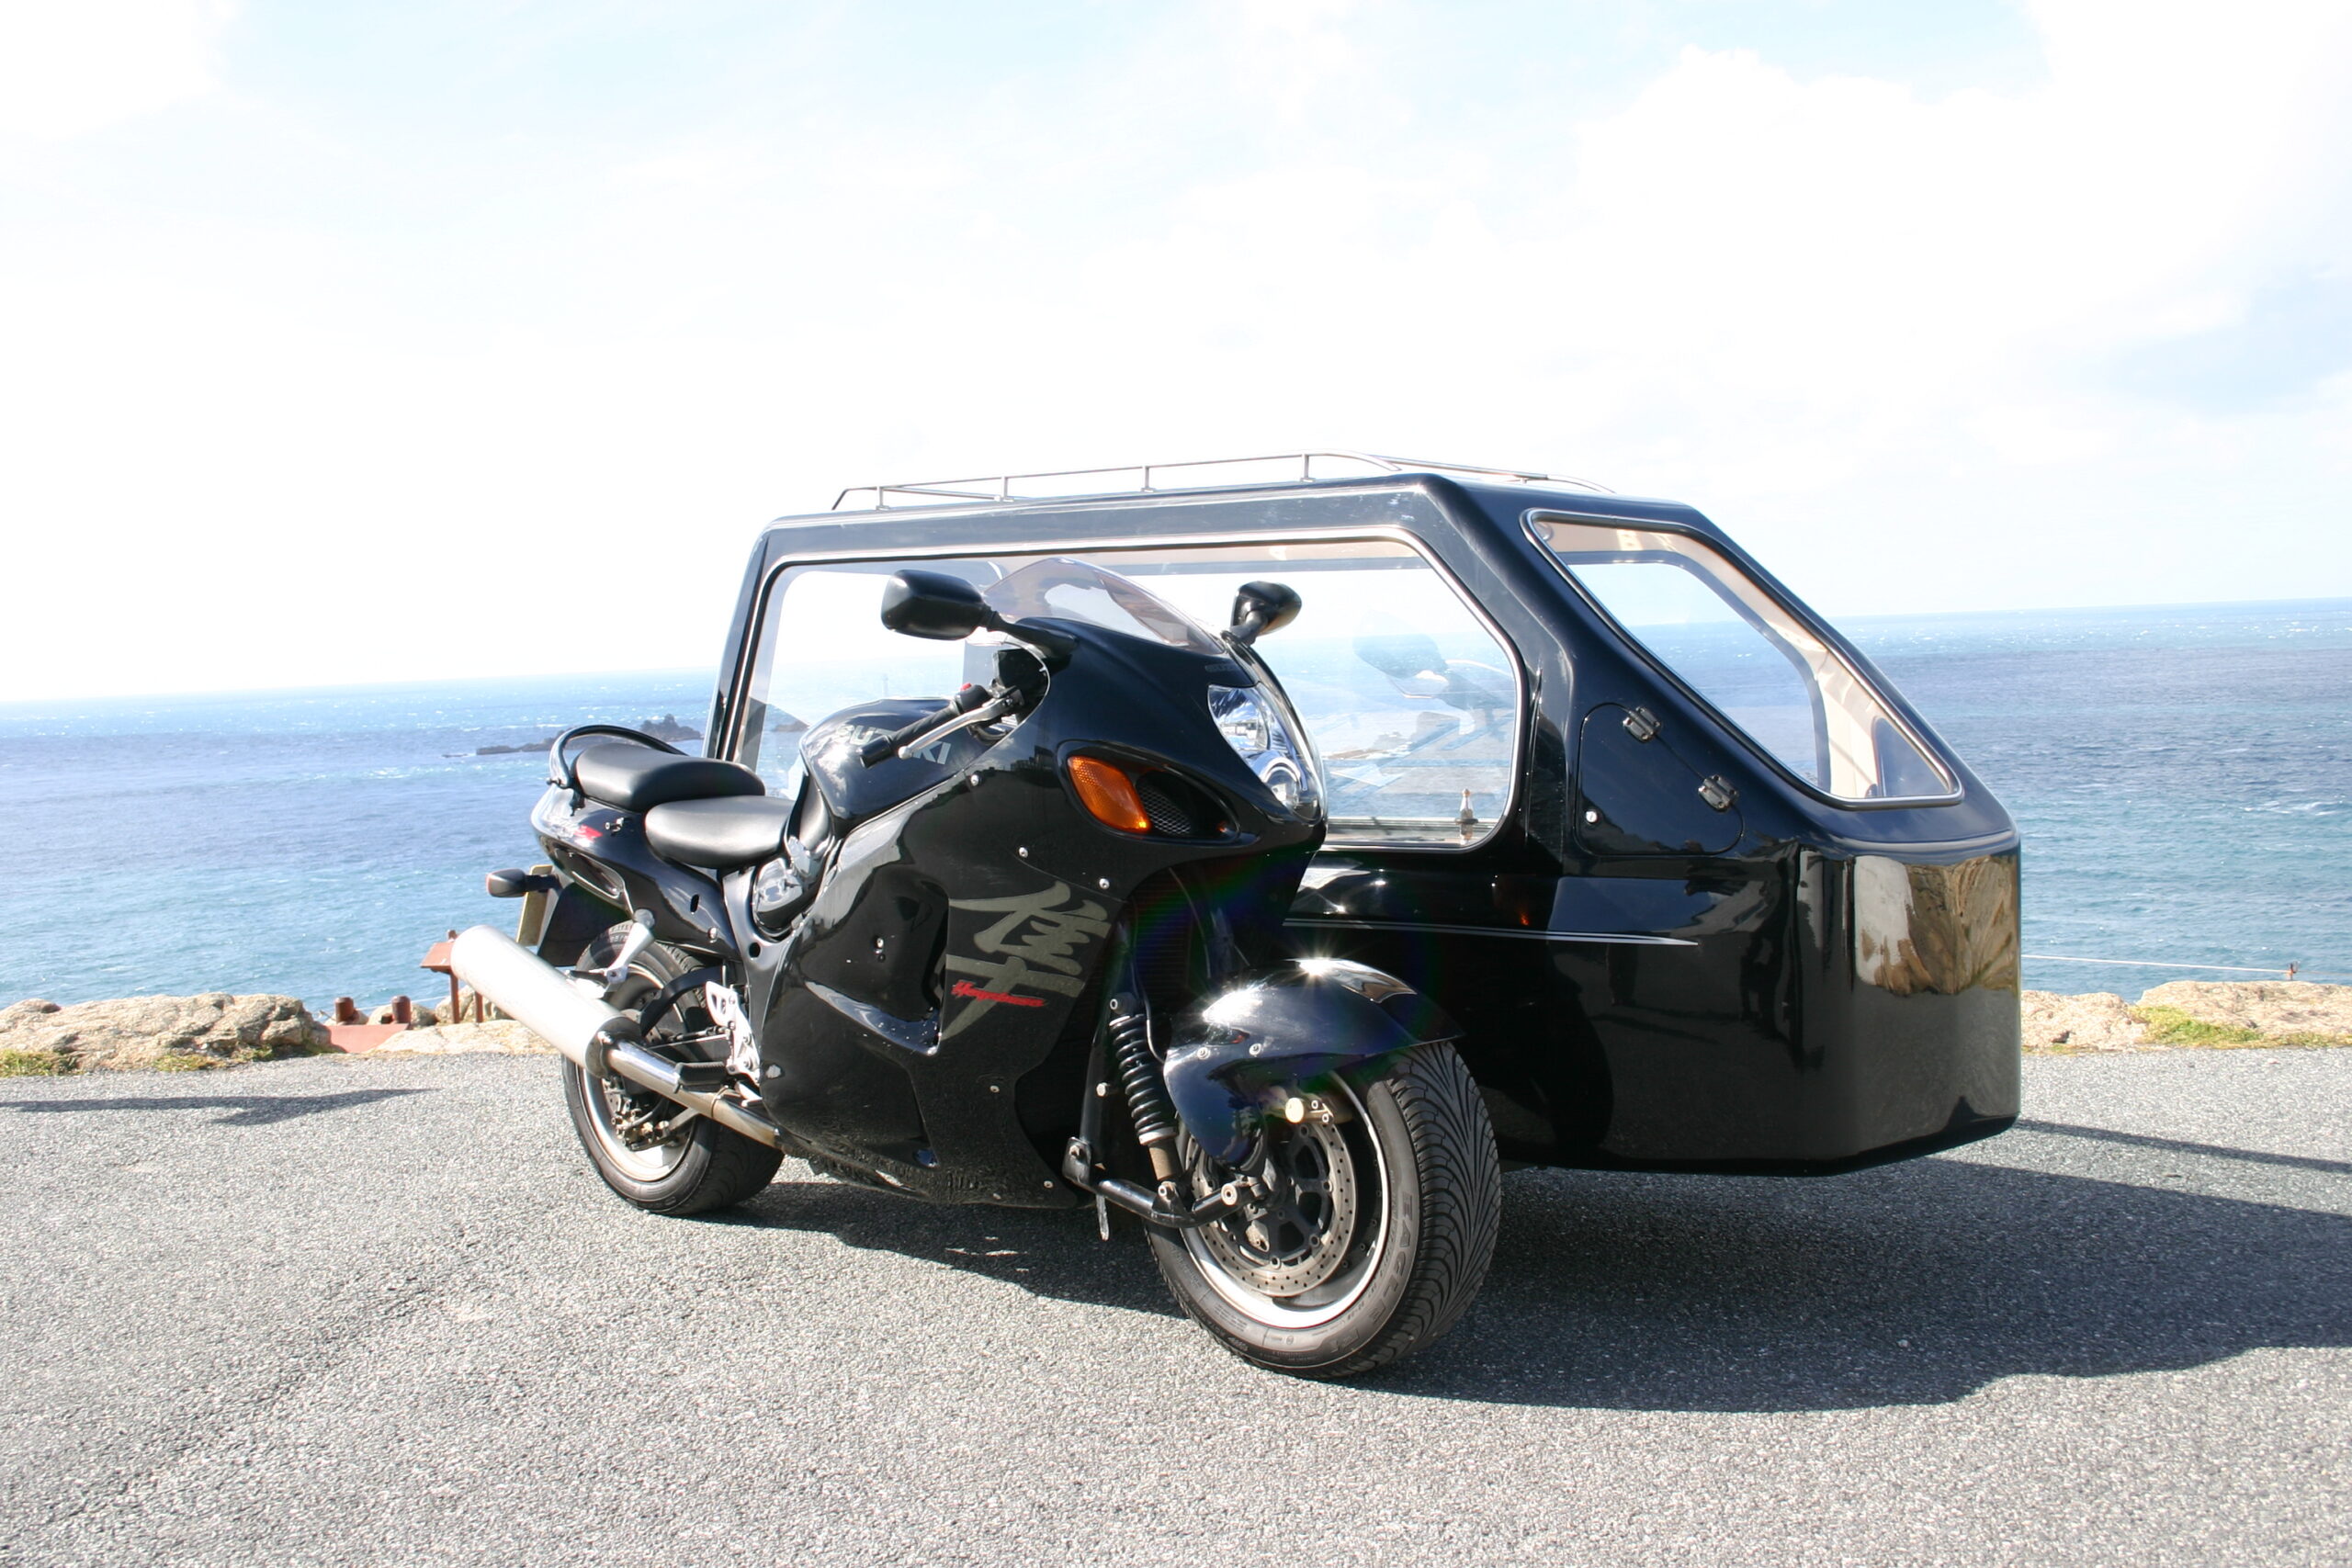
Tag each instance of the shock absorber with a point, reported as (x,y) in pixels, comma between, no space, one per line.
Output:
(1148,1107)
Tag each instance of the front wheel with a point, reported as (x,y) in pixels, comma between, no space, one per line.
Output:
(1389,1197)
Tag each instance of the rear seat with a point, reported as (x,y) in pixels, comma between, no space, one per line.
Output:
(639,778)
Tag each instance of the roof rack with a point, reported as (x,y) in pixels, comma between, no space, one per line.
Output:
(1024,487)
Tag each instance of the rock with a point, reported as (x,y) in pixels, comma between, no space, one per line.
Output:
(503,1037)
(19,1059)
(2206,1013)
(16,1013)
(141,1031)
(440,1012)
(420,1016)
(2298,1011)
(667,727)
(2100,1022)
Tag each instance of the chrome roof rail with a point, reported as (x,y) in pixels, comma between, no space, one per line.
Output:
(1022,487)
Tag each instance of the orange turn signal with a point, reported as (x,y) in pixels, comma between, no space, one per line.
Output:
(1104,789)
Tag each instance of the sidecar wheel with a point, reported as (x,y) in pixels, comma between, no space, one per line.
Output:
(1398,1198)
(700,1168)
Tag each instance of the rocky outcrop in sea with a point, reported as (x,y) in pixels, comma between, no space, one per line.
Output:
(666,727)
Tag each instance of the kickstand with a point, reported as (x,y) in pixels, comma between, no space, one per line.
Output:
(1102,1216)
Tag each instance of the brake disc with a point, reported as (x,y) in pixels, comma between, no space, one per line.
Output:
(1288,1246)
(639,1117)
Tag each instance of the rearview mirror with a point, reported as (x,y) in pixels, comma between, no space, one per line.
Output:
(1262,607)
(934,604)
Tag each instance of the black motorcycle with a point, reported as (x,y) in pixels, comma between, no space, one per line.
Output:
(1023,946)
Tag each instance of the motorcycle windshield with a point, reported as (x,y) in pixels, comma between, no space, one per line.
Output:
(1072,590)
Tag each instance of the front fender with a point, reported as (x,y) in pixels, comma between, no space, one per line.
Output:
(1281,1030)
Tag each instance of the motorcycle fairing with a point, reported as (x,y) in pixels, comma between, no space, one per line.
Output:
(853,791)
(604,850)
(1014,890)
(1285,1031)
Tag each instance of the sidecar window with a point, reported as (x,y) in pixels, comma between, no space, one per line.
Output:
(1411,701)
(1749,658)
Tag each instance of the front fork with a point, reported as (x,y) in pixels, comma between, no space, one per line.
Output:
(1123,1061)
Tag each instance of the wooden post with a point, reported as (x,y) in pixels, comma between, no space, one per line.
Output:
(456,1014)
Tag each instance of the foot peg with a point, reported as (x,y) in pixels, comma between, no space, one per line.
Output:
(639,938)
(1165,1208)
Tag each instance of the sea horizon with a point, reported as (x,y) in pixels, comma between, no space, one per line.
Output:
(2181,774)
(1840,622)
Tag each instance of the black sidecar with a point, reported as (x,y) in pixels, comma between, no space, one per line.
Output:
(1702,891)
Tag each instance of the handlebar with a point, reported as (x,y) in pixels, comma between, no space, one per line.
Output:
(899,739)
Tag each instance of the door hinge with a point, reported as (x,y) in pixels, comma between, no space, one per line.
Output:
(1641,724)
(1716,791)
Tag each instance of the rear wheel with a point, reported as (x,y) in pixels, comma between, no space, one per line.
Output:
(634,1136)
(1388,1200)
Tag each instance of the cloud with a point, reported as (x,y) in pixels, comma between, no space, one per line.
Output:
(347,386)
(1287,53)
(69,67)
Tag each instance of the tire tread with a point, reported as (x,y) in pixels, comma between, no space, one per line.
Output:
(721,1169)
(1459,1178)
(1462,1200)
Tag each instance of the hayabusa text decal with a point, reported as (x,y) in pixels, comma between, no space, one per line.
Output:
(1032,946)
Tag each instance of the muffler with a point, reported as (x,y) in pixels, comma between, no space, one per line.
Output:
(589,1030)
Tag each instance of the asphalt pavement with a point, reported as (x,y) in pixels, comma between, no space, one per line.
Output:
(352,1311)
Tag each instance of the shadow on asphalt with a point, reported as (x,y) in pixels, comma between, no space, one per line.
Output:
(1726,1293)
(1754,1294)
(2175,1146)
(1054,1252)
(245,1110)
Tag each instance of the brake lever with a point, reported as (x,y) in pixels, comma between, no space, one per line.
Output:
(985,713)
(974,705)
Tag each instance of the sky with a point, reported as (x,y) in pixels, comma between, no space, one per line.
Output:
(346,343)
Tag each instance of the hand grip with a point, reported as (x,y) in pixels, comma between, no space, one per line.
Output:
(890,745)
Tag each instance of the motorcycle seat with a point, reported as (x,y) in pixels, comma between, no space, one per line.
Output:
(639,778)
(719,835)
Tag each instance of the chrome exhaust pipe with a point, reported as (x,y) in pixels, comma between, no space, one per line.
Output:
(589,1030)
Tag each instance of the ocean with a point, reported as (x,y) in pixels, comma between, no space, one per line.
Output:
(2182,774)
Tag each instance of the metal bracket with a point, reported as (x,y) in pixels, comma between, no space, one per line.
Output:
(726,1007)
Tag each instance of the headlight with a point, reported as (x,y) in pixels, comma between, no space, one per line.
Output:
(1254,726)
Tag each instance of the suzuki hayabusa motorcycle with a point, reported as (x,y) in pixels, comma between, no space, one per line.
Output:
(1023,945)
